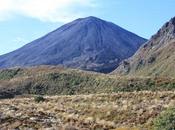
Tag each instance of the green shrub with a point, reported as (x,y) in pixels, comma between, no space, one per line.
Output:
(166,120)
(39,99)
(8,73)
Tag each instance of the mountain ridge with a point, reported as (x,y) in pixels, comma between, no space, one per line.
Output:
(156,57)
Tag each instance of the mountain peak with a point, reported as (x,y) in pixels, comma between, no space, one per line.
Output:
(165,34)
(91,18)
(87,43)
(173,21)
(169,26)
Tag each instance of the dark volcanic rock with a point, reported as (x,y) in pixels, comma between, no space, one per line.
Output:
(5,95)
(88,43)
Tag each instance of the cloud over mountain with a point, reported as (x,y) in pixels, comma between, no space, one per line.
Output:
(47,10)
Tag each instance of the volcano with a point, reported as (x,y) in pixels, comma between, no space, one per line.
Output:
(87,43)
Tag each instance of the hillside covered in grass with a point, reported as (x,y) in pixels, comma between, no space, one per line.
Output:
(50,80)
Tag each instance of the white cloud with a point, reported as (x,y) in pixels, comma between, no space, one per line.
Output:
(45,10)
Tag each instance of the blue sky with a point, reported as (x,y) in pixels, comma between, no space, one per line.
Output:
(22,21)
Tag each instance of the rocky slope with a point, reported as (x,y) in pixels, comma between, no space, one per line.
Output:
(88,43)
(156,57)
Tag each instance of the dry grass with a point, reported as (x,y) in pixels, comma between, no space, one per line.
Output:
(119,111)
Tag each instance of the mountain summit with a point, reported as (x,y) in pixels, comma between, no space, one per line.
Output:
(86,43)
(156,57)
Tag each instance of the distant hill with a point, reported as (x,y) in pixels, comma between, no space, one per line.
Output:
(156,57)
(87,43)
(51,80)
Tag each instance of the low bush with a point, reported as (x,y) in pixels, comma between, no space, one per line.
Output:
(166,120)
(39,99)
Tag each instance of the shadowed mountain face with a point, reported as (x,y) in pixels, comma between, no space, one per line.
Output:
(156,57)
(88,43)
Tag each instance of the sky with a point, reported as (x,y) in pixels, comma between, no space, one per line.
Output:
(22,21)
